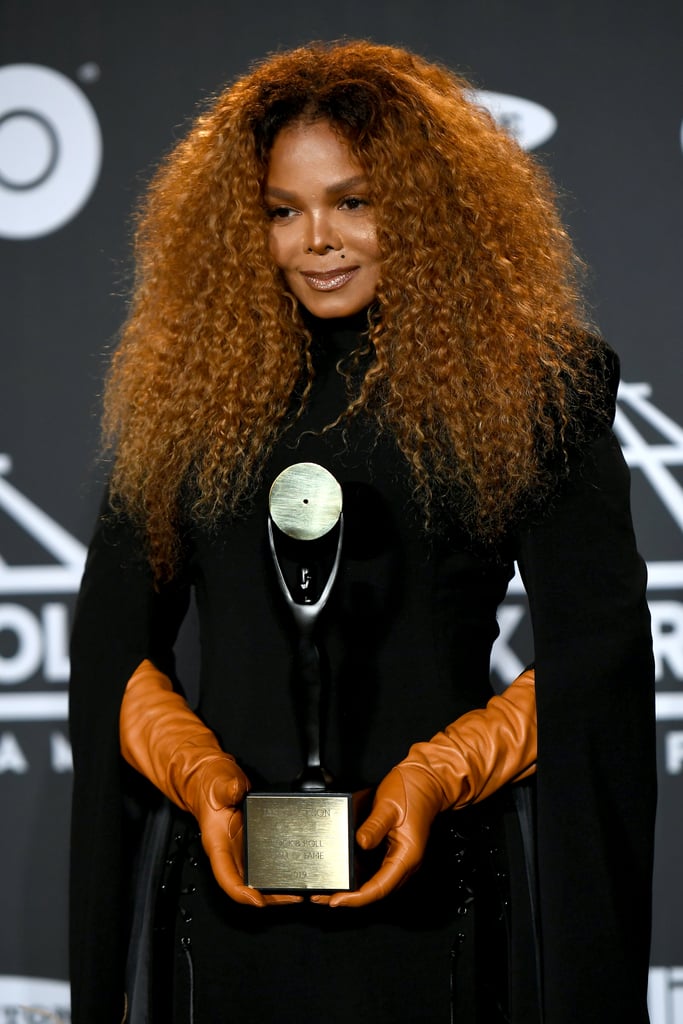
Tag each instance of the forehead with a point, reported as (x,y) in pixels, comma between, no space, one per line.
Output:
(310,154)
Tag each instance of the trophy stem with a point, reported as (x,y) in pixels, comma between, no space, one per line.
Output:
(313,777)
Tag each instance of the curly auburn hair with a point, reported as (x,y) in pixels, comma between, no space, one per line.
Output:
(478,331)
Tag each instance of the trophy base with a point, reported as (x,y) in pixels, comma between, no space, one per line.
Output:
(299,842)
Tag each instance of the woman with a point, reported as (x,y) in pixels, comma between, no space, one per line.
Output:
(347,263)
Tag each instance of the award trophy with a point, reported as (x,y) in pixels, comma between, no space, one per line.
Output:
(301,840)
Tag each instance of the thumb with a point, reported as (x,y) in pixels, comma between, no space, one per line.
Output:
(228,785)
(374,829)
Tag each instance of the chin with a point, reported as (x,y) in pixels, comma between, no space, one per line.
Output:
(328,307)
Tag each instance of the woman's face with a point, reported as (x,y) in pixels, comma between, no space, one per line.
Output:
(322,227)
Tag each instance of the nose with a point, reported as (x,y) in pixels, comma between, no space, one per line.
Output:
(321,236)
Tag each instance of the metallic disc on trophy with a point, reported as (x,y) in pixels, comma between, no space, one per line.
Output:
(301,840)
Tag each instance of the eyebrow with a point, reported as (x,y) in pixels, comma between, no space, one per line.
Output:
(331,190)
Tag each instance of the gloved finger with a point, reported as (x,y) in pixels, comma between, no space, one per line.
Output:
(229,790)
(384,816)
(231,882)
(248,896)
(227,872)
(229,877)
(392,873)
(222,841)
(280,899)
(221,833)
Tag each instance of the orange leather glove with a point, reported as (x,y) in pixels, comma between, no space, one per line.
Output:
(468,761)
(164,740)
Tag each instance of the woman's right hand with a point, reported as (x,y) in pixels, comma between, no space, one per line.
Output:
(166,742)
(216,792)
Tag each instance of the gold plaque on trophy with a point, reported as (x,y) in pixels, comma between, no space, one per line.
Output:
(299,841)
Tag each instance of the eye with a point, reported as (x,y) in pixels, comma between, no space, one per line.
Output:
(354,203)
(280,212)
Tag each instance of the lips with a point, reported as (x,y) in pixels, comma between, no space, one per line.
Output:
(330,280)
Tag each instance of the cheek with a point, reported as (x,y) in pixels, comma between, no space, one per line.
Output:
(275,248)
(370,243)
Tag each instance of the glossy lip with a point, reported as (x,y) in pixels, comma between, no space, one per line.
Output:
(329,280)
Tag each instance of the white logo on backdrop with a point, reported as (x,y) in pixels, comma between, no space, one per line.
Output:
(39,639)
(50,150)
(655,461)
(34,1000)
(528,122)
(665,995)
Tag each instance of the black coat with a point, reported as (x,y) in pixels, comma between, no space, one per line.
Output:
(408,640)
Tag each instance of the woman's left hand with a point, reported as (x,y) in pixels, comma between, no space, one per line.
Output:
(405,805)
(473,757)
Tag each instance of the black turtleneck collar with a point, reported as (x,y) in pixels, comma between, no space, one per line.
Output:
(343,333)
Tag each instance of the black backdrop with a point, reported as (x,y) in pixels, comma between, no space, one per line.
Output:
(91,94)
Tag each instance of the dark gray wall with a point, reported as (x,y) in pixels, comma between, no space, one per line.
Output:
(612,75)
